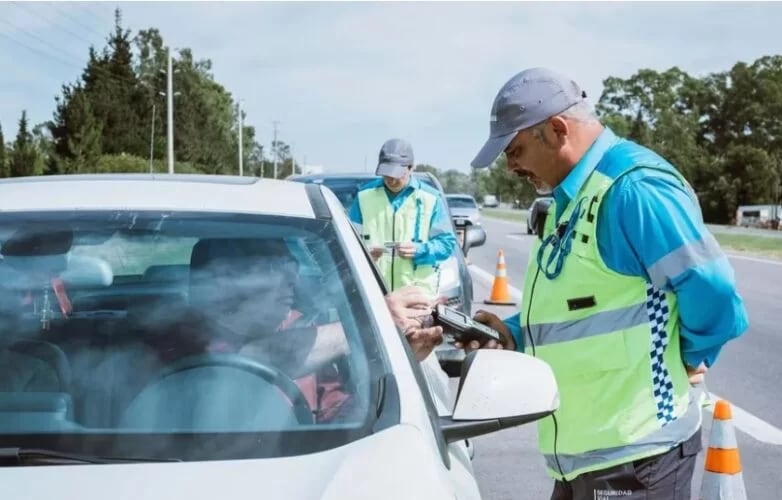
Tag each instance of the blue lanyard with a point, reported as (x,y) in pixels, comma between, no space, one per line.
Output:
(561,244)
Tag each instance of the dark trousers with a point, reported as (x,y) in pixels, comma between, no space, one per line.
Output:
(661,477)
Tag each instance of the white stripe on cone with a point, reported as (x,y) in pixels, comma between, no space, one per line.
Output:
(723,435)
(723,487)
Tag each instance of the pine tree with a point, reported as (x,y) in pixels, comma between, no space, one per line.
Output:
(24,158)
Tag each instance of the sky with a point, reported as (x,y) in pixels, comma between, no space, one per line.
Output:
(342,77)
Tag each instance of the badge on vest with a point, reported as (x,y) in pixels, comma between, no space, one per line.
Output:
(581,303)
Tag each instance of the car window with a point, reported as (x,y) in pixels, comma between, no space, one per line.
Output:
(182,334)
(461,202)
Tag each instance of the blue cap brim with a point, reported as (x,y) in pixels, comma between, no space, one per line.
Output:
(391,170)
(492,150)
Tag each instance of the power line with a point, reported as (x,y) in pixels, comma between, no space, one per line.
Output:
(54,49)
(39,52)
(81,67)
(53,23)
(76,20)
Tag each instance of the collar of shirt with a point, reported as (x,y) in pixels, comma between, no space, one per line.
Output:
(396,199)
(571,185)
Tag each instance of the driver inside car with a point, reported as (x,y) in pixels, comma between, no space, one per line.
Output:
(251,307)
(245,305)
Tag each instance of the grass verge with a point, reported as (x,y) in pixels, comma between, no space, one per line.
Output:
(504,215)
(759,245)
(765,246)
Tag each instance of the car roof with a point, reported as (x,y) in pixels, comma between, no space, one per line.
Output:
(459,195)
(182,192)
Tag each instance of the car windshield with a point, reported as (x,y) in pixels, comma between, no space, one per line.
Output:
(461,202)
(197,336)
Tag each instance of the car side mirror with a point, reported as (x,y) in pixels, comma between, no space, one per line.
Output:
(474,236)
(499,389)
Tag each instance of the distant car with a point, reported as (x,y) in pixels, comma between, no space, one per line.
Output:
(455,278)
(490,201)
(464,207)
(538,209)
(111,377)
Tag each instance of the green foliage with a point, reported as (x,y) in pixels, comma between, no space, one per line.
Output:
(129,164)
(721,131)
(25,159)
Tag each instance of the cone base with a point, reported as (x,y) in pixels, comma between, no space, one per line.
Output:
(723,487)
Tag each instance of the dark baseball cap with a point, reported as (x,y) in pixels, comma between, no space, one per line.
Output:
(395,156)
(527,99)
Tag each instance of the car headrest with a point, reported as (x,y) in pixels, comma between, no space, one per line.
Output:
(207,250)
(87,271)
(77,271)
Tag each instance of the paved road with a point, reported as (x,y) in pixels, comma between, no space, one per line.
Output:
(748,374)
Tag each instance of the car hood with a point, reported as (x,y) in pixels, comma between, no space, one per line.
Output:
(392,464)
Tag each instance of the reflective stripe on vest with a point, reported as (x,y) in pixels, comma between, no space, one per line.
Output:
(612,341)
(410,223)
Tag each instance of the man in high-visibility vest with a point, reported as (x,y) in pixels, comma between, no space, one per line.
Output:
(403,222)
(627,295)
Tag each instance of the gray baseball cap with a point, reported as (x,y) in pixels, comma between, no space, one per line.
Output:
(527,99)
(395,156)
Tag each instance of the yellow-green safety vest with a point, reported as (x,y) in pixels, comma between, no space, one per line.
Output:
(612,341)
(410,223)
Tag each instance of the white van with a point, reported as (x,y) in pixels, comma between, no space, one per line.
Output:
(490,201)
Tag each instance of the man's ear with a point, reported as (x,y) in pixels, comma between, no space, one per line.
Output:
(561,129)
(559,126)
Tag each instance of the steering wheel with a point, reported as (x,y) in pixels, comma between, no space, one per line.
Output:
(273,376)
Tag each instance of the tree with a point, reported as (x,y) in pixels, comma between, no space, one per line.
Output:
(115,96)
(78,134)
(24,157)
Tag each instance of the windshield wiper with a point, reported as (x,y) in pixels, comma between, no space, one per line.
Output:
(39,456)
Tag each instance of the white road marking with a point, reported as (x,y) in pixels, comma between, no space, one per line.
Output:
(743,420)
(750,424)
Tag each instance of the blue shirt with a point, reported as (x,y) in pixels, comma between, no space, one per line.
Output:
(649,225)
(442,239)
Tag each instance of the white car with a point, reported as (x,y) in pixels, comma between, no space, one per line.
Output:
(143,356)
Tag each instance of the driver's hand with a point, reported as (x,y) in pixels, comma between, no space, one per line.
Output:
(376,252)
(423,340)
(492,321)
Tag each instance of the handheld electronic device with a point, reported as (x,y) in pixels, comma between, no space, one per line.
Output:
(462,327)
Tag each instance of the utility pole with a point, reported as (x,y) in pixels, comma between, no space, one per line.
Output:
(170,99)
(241,154)
(274,148)
(152,139)
(293,158)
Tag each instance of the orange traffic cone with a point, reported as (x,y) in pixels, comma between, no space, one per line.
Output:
(722,479)
(500,294)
